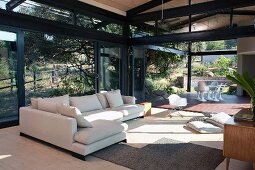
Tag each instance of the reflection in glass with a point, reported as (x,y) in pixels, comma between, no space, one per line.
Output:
(8,69)
(109,65)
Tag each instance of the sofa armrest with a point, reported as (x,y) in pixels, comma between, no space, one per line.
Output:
(129,99)
(50,127)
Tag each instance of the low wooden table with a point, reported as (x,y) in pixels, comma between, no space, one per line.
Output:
(147,109)
(239,141)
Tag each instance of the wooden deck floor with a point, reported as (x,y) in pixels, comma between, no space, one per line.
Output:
(231,105)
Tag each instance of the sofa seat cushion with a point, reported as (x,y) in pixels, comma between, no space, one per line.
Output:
(129,109)
(101,129)
(102,114)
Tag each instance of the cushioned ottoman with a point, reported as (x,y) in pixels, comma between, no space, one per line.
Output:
(103,133)
(101,129)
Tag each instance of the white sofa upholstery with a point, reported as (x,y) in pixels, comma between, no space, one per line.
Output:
(63,132)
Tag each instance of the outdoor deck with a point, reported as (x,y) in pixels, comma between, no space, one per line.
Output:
(231,105)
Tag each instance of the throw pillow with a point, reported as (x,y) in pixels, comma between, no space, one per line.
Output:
(204,127)
(86,103)
(47,105)
(74,112)
(34,103)
(219,119)
(114,98)
(103,100)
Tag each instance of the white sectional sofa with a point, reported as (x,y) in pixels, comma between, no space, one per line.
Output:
(43,121)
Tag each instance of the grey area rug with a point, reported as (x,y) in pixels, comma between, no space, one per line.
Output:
(163,154)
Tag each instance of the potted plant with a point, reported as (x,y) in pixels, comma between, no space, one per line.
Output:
(247,83)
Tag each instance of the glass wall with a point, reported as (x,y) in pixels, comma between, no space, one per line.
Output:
(8,76)
(139,73)
(166,73)
(57,65)
(109,67)
(214,68)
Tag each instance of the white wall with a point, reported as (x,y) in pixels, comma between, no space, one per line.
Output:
(246,57)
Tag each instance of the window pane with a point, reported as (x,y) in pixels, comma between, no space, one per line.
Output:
(58,65)
(8,82)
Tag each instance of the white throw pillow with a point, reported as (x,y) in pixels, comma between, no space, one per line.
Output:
(86,103)
(103,100)
(74,112)
(60,99)
(47,105)
(114,98)
(219,119)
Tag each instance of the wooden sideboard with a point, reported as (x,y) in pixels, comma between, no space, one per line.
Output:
(239,141)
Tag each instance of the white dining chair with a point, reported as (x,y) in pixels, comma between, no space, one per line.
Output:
(202,88)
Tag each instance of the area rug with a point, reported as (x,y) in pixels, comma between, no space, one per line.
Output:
(163,154)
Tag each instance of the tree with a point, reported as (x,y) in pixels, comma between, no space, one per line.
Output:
(164,62)
(215,45)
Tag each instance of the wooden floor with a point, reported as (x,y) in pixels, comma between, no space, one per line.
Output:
(20,153)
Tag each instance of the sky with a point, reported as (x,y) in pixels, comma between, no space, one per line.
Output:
(7,36)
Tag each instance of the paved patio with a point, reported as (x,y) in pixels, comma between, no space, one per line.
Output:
(231,105)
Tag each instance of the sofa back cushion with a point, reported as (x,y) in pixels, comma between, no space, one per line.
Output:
(60,99)
(114,98)
(103,100)
(34,103)
(47,105)
(74,112)
(86,103)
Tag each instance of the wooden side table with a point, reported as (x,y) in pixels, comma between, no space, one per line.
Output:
(147,109)
(239,141)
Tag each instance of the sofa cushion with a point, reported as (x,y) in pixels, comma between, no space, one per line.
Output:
(128,99)
(47,105)
(101,129)
(219,119)
(114,98)
(34,103)
(60,99)
(73,112)
(103,114)
(129,109)
(86,103)
(103,100)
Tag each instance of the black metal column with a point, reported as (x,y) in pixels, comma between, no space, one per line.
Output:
(125,82)
(131,72)
(189,57)
(20,69)
(96,57)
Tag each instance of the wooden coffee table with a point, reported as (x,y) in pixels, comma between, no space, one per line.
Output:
(239,141)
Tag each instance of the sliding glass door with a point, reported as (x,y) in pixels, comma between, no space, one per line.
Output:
(109,68)
(8,77)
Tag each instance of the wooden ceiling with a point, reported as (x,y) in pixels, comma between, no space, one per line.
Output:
(125,5)
(212,22)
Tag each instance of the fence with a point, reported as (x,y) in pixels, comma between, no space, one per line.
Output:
(54,75)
